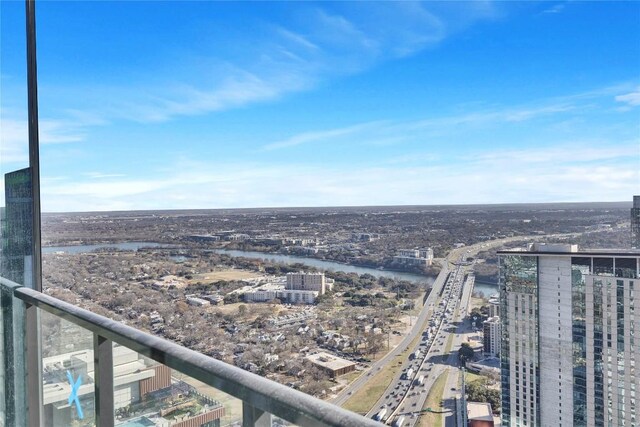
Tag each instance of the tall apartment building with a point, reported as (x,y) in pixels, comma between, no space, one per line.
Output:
(307,282)
(494,306)
(635,223)
(570,353)
(491,336)
(17,225)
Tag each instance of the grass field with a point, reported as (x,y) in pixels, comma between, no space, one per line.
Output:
(363,400)
(470,377)
(434,399)
(230,274)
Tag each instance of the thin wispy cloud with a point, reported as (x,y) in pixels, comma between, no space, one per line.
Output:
(556,8)
(558,112)
(14,136)
(316,46)
(100,175)
(566,154)
(309,137)
(393,132)
(631,99)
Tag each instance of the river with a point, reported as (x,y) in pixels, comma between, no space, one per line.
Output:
(485,288)
(327,265)
(80,249)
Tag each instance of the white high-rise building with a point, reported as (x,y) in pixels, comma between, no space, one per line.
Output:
(491,336)
(570,350)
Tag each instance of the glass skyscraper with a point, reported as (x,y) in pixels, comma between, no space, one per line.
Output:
(17,223)
(569,350)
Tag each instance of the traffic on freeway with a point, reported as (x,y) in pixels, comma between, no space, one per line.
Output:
(404,399)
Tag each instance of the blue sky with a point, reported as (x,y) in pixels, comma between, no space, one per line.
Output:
(168,105)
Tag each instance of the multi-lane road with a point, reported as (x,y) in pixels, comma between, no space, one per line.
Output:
(402,402)
(347,392)
(443,315)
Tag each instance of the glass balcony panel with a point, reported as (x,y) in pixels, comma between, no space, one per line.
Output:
(5,299)
(68,383)
(12,361)
(279,422)
(147,393)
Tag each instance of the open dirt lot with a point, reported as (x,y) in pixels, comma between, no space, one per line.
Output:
(230,274)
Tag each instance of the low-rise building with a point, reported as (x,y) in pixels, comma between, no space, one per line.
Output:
(414,257)
(197,302)
(479,414)
(262,293)
(333,365)
(365,237)
(203,238)
(293,296)
(214,299)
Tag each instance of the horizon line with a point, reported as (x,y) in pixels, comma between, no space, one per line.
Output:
(285,208)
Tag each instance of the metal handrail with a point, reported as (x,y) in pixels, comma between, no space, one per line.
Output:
(261,393)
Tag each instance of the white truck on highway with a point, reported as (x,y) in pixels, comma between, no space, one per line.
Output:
(408,374)
(399,421)
(381,414)
(416,354)
(420,380)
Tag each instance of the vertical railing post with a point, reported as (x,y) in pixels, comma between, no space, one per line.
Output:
(13,327)
(103,375)
(253,417)
(32,329)
(34,145)
(33,366)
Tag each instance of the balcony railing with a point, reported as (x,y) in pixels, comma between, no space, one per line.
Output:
(64,365)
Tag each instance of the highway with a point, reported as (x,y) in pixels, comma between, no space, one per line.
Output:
(346,393)
(405,397)
(463,333)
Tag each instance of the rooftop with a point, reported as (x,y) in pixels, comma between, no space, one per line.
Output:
(328,361)
(479,411)
(568,249)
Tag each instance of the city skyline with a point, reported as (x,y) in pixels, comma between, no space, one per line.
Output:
(326,104)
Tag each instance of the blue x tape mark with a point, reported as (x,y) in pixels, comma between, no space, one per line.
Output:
(73,397)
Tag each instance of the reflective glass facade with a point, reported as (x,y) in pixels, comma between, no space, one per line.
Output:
(519,353)
(580,267)
(609,372)
(601,291)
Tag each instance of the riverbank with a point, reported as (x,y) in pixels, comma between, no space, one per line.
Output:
(284,259)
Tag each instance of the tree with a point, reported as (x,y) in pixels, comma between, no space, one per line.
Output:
(231,298)
(466,353)
(479,391)
(242,309)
